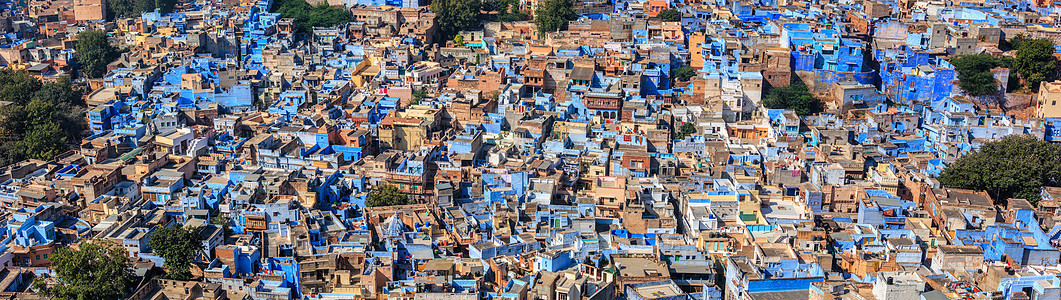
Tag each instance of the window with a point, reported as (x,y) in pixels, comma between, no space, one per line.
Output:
(38,257)
(46,256)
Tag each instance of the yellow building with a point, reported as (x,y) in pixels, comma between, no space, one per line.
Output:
(1049,94)
(364,72)
(696,46)
(409,129)
(886,178)
(751,213)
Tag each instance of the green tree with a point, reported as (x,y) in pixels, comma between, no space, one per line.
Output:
(13,124)
(554,15)
(1016,166)
(685,130)
(94,53)
(452,16)
(165,6)
(507,10)
(1035,62)
(225,223)
(418,95)
(127,8)
(42,120)
(512,13)
(39,111)
(16,85)
(307,16)
(89,272)
(386,195)
(670,15)
(61,93)
(459,40)
(1014,43)
(494,5)
(974,73)
(177,245)
(795,96)
(133,8)
(684,73)
(68,107)
(44,142)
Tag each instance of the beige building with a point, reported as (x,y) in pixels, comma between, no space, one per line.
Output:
(1049,94)
(90,10)
(958,258)
(408,130)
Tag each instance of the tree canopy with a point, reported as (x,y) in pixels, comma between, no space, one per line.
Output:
(307,16)
(1035,62)
(507,10)
(495,5)
(418,95)
(1015,41)
(684,72)
(46,139)
(974,73)
(386,195)
(133,8)
(795,96)
(685,130)
(94,53)
(670,15)
(42,118)
(224,222)
(1013,167)
(89,272)
(453,16)
(554,15)
(512,13)
(177,245)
